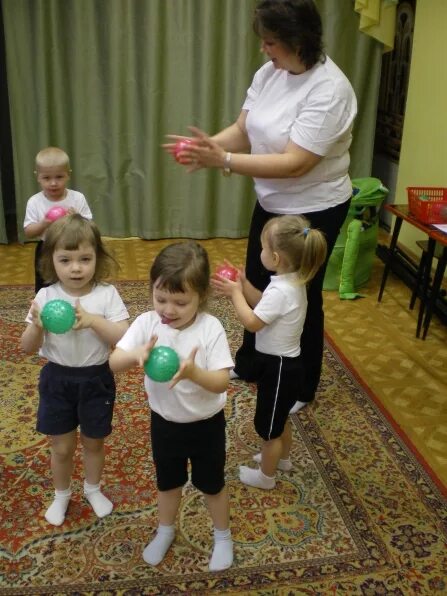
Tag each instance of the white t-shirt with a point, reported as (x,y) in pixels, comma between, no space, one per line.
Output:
(315,110)
(283,308)
(83,347)
(186,402)
(38,205)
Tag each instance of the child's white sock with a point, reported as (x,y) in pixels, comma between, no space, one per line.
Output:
(285,465)
(297,406)
(55,514)
(99,502)
(155,551)
(222,556)
(256,478)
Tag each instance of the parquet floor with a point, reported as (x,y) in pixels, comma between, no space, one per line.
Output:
(408,375)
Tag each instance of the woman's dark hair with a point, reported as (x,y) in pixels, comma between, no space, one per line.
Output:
(296,23)
(69,233)
(180,266)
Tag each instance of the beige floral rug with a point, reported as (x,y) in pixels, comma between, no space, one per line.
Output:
(358,514)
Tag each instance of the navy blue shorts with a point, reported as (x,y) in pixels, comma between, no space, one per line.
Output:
(76,396)
(202,442)
(280,382)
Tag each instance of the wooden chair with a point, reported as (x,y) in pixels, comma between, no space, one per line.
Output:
(423,245)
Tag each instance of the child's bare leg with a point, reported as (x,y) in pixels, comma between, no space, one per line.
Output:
(284,464)
(219,508)
(93,450)
(274,454)
(271,454)
(168,504)
(62,451)
(94,455)
(286,439)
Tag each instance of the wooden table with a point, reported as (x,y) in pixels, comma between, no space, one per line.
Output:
(428,300)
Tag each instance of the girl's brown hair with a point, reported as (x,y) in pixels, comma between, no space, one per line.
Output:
(69,233)
(180,266)
(303,247)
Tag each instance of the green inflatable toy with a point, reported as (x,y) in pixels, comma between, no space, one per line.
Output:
(351,261)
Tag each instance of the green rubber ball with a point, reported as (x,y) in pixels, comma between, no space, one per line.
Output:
(162,364)
(58,316)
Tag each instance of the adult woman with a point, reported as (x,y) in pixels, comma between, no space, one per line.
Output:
(296,122)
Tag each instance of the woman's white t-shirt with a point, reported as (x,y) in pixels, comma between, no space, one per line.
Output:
(315,110)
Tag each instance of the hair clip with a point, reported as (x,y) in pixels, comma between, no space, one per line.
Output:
(306,231)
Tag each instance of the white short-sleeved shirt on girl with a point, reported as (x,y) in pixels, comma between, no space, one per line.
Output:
(38,205)
(83,347)
(282,308)
(186,402)
(315,110)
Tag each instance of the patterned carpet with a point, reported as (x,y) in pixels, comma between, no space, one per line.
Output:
(358,514)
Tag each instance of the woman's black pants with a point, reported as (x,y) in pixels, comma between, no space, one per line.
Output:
(329,222)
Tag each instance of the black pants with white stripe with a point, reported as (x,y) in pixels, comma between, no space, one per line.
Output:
(329,222)
(279,381)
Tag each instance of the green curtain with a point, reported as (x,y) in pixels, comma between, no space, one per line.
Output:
(107,79)
(3,236)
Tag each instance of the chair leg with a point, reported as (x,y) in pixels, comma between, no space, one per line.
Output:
(419,277)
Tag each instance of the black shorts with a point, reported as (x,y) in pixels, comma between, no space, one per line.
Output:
(70,397)
(202,442)
(280,381)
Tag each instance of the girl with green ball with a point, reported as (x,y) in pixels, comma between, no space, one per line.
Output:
(186,397)
(73,323)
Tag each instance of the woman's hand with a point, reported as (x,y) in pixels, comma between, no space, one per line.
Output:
(201,151)
(204,151)
(171,147)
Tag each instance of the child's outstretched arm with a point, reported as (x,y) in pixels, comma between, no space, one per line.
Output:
(32,337)
(121,360)
(215,381)
(252,295)
(244,312)
(109,331)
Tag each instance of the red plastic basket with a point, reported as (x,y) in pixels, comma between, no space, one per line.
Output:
(428,204)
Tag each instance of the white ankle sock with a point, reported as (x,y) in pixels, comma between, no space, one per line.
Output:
(156,550)
(256,478)
(99,502)
(55,514)
(285,465)
(222,556)
(297,406)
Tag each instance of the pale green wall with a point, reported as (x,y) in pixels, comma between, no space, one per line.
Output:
(423,157)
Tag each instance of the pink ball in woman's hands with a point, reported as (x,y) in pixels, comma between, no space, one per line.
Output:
(180,146)
(55,213)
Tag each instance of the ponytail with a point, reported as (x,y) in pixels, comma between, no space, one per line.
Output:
(314,254)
